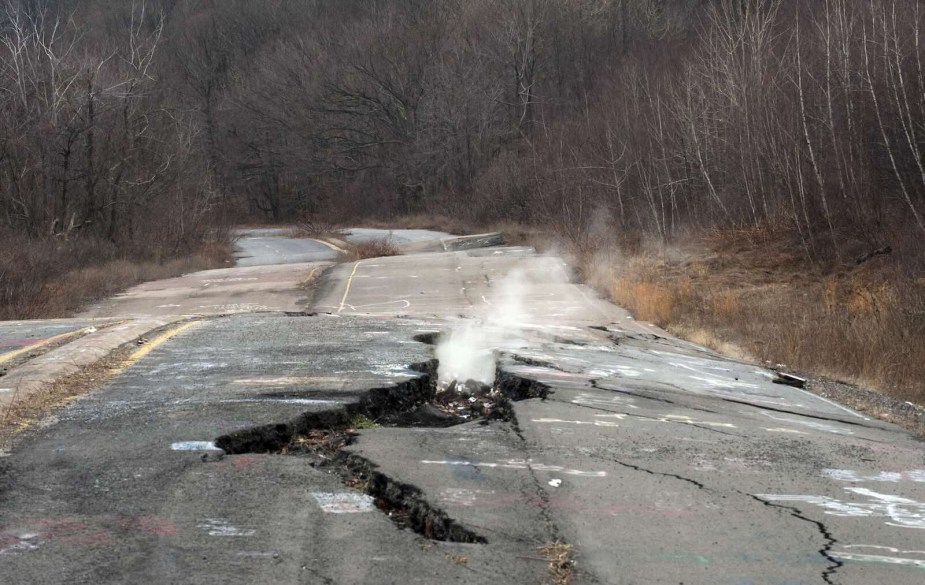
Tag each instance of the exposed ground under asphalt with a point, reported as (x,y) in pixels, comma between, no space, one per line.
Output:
(322,436)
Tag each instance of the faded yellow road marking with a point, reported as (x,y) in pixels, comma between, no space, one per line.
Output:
(308,279)
(343,301)
(148,347)
(328,244)
(41,343)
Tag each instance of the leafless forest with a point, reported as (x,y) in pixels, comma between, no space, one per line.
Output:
(137,130)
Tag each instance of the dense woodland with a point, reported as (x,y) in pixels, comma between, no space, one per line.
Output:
(150,122)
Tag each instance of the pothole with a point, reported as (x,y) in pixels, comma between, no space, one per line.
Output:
(322,436)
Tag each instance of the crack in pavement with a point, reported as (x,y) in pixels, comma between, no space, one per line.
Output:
(830,541)
(542,495)
(663,474)
(803,414)
(595,385)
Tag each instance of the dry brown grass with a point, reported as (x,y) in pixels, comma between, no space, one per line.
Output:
(25,412)
(759,299)
(561,569)
(375,248)
(50,278)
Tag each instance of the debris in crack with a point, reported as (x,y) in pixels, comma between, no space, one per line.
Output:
(517,388)
(561,570)
(830,541)
(405,504)
(322,436)
(471,400)
(789,380)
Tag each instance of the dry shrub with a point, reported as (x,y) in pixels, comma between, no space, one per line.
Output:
(374,248)
(561,568)
(647,299)
(864,325)
(44,278)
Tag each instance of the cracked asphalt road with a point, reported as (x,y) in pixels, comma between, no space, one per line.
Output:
(658,461)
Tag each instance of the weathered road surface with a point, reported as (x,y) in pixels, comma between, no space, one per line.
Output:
(261,247)
(656,460)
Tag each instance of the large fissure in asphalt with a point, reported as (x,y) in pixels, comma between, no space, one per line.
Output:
(322,436)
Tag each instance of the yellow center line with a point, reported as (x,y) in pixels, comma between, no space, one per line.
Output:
(328,244)
(308,278)
(343,301)
(43,342)
(150,345)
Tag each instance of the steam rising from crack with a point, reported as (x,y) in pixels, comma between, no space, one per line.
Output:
(469,351)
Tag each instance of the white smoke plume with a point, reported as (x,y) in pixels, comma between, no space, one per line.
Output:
(469,350)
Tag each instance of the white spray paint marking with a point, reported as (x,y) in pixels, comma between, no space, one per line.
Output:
(520,464)
(23,543)
(915,475)
(819,426)
(784,430)
(595,400)
(713,382)
(679,418)
(403,304)
(5,390)
(668,418)
(343,503)
(596,423)
(291,380)
(236,308)
(902,512)
(868,557)
(555,482)
(219,527)
(462,496)
(279,400)
(624,371)
(194,446)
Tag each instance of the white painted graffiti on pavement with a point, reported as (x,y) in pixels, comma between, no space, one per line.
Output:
(596,423)
(902,512)
(462,496)
(220,527)
(343,503)
(602,401)
(915,475)
(519,464)
(819,426)
(11,544)
(885,554)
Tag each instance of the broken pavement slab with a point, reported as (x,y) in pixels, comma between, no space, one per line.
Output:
(454,243)
(133,500)
(23,340)
(23,381)
(243,289)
